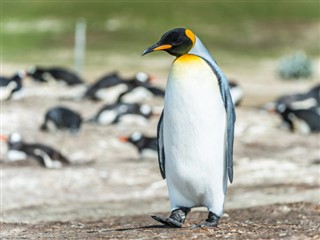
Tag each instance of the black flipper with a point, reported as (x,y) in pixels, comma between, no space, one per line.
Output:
(160,146)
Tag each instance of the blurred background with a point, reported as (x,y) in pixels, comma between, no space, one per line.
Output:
(269,50)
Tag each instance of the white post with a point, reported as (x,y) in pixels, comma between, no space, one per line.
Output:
(80,45)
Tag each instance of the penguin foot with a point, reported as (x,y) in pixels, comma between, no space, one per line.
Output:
(211,221)
(176,218)
(167,221)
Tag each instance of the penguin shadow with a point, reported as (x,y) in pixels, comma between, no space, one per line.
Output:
(160,226)
(153,226)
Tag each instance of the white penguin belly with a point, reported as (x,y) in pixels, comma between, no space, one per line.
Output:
(110,95)
(194,135)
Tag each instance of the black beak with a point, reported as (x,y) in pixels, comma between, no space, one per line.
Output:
(150,49)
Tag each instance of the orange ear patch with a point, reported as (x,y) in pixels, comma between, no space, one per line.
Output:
(191,35)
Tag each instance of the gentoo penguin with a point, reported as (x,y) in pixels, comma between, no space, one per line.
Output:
(106,81)
(123,112)
(62,118)
(140,90)
(11,87)
(236,93)
(59,74)
(296,101)
(195,130)
(110,87)
(300,112)
(45,155)
(141,93)
(146,146)
(300,120)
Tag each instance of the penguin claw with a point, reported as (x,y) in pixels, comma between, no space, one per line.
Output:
(167,221)
(205,224)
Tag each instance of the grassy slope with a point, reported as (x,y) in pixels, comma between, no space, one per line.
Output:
(246,28)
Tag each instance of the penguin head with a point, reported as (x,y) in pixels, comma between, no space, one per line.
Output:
(146,110)
(15,138)
(142,77)
(21,74)
(31,70)
(133,138)
(15,141)
(176,42)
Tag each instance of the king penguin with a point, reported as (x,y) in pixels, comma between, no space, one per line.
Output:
(196,130)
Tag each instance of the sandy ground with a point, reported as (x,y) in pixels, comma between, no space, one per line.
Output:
(110,191)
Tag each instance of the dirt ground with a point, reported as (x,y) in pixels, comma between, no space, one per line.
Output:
(278,221)
(109,191)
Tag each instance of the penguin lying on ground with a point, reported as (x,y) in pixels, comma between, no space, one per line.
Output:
(300,120)
(107,81)
(139,91)
(300,112)
(305,100)
(62,118)
(139,94)
(111,88)
(195,130)
(66,76)
(45,155)
(122,112)
(11,87)
(146,146)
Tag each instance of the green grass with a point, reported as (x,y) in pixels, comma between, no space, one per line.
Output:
(240,28)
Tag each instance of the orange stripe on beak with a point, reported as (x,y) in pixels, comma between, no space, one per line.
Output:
(163,47)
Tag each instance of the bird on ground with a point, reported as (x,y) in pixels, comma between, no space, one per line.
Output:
(57,74)
(303,121)
(45,155)
(141,93)
(60,118)
(146,146)
(140,90)
(306,100)
(112,88)
(96,89)
(11,87)
(196,130)
(123,112)
(300,112)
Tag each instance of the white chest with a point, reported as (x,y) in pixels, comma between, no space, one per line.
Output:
(193,104)
(194,125)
